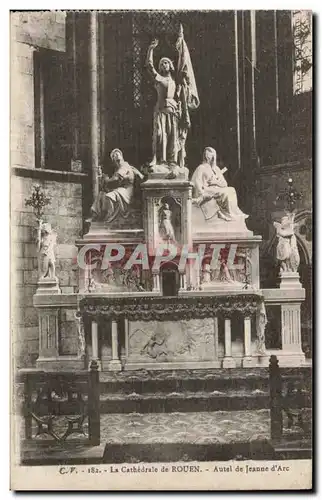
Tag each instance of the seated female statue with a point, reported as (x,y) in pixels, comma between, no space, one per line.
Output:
(209,185)
(116,192)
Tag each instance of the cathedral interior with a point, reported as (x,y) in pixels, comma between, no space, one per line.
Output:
(84,92)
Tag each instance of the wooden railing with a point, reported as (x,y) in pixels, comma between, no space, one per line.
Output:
(60,403)
(290,404)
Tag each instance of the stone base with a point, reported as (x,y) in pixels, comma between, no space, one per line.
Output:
(261,360)
(289,358)
(114,365)
(48,286)
(99,364)
(290,280)
(188,365)
(168,172)
(228,362)
(247,362)
(102,232)
(68,363)
(202,225)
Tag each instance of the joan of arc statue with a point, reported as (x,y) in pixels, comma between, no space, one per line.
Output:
(176,95)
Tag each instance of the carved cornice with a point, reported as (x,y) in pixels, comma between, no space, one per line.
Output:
(50,175)
(169,308)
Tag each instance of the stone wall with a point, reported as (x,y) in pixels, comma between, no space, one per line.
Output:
(29,31)
(65,216)
(272,181)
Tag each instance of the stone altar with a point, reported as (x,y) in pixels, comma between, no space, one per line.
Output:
(168,270)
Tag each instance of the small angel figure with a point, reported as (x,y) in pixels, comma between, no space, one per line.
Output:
(166,227)
(224,272)
(47,239)
(206,274)
(287,251)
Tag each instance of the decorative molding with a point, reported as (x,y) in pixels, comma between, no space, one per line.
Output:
(50,175)
(170,308)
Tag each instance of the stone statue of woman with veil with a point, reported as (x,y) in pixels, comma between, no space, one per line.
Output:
(176,95)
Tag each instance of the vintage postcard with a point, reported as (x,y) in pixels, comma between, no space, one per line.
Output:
(161,250)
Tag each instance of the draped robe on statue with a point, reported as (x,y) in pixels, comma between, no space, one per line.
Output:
(213,194)
(115,194)
(171,120)
(166,121)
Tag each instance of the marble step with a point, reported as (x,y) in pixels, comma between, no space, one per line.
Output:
(187,401)
(160,437)
(179,385)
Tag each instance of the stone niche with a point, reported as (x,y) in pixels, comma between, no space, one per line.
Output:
(177,195)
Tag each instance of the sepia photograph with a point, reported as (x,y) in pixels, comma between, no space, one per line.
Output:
(161,249)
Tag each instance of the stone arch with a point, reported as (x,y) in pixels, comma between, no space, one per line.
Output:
(303,235)
(170,279)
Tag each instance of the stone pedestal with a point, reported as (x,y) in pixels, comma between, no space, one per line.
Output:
(291,334)
(48,286)
(49,313)
(290,281)
(289,299)
(49,356)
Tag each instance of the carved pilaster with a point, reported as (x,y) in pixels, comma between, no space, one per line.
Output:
(80,335)
(247,359)
(228,361)
(48,334)
(115,363)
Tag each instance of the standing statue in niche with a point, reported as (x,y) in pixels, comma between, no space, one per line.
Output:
(176,96)
(47,239)
(287,251)
(116,192)
(211,191)
(166,227)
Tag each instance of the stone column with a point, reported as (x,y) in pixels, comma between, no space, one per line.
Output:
(228,361)
(73,64)
(94,103)
(247,359)
(115,363)
(291,334)
(156,282)
(183,282)
(253,58)
(277,103)
(126,335)
(187,215)
(94,340)
(216,331)
(237,90)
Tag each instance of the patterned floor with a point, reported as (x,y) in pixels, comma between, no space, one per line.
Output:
(197,428)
